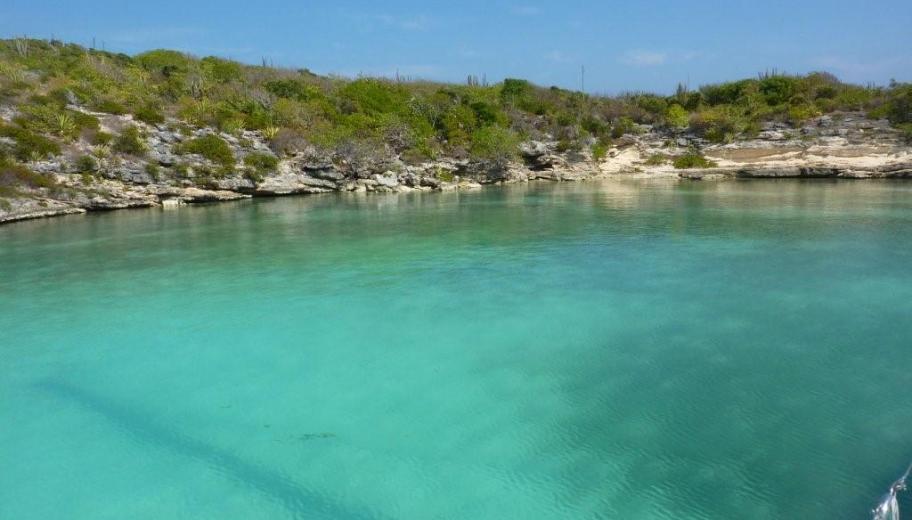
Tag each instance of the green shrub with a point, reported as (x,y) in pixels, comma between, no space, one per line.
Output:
(14,175)
(222,172)
(29,145)
(47,101)
(457,124)
(165,62)
(486,113)
(623,125)
(85,121)
(85,164)
(110,106)
(153,170)
(906,132)
(212,147)
(719,124)
(101,138)
(693,160)
(651,103)
(826,105)
(373,96)
(595,126)
(855,98)
(262,163)
(415,120)
(182,170)
(599,151)
(131,142)
(149,114)
(826,92)
(778,89)
(445,175)
(515,92)
(43,118)
(55,120)
(494,143)
(567,144)
(677,117)
(899,106)
(725,93)
(657,159)
(798,114)
(221,71)
(293,89)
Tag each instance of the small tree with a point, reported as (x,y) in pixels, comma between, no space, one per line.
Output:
(130,141)
(677,117)
(494,143)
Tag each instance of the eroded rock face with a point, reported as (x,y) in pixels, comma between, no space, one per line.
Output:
(386,180)
(838,146)
(29,208)
(540,155)
(534,149)
(889,171)
(236,184)
(327,174)
(190,195)
(291,183)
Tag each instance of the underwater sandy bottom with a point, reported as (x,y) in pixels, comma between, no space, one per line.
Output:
(592,350)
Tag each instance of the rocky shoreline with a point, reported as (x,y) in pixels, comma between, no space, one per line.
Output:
(841,146)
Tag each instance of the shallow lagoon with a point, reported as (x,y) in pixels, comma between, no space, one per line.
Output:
(586,350)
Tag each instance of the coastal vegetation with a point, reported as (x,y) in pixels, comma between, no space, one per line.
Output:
(692,159)
(54,93)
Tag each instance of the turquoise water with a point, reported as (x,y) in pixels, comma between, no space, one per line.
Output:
(592,350)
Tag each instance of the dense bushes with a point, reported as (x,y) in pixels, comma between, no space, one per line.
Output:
(494,143)
(50,118)
(149,114)
(676,116)
(165,62)
(600,150)
(28,145)
(692,160)
(721,123)
(85,164)
(221,71)
(899,105)
(259,165)
(417,120)
(14,176)
(261,162)
(211,147)
(777,90)
(130,141)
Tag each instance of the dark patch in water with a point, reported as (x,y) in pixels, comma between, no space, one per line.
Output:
(299,501)
(314,436)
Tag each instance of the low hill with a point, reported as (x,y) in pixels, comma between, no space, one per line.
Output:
(167,119)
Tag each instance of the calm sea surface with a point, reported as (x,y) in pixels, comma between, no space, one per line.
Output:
(551,351)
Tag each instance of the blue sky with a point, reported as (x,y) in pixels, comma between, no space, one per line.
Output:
(624,45)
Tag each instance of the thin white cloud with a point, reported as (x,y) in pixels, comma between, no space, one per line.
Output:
(854,70)
(467,53)
(558,57)
(644,58)
(409,23)
(156,36)
(407,71)
(527,10)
